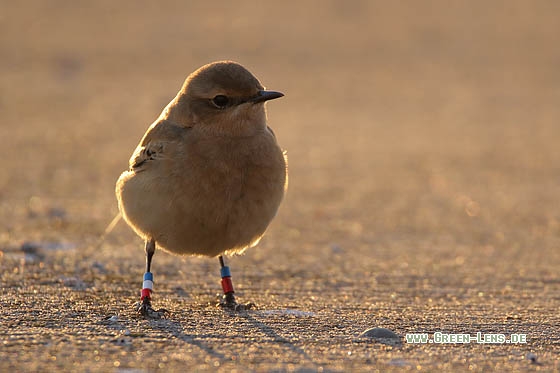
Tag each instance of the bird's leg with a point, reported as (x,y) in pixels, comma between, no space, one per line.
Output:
(145,305)
(228,299)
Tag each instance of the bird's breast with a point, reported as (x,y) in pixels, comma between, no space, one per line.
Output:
(238,191)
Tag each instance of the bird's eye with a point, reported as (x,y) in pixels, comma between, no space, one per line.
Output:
(220,101)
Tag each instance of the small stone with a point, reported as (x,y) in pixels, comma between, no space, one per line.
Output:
(336,249)
(56,213)
(382,335)
(532,357)
(123,341)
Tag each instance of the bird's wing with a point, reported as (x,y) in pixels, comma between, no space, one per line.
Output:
(160,136)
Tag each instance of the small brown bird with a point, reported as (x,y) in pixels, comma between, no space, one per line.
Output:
(208,176)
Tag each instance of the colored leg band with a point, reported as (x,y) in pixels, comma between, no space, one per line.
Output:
(147,286)
(227,285)
(224,271)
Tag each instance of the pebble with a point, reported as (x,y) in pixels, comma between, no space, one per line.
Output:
(532,357)
(382,335)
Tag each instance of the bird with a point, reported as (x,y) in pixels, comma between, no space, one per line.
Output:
(208,176)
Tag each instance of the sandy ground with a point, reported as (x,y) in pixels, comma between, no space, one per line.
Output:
(424,183)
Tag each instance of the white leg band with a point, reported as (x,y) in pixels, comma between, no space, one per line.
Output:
(147,284)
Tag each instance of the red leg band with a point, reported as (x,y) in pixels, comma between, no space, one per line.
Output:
(146,293)
(227,285)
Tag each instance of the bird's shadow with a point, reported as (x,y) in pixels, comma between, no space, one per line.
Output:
(176,329)
(274,335)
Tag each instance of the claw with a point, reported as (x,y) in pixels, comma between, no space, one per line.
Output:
(228,302)
(145,309)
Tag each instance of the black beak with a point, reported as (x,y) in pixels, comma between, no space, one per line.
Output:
(263,96)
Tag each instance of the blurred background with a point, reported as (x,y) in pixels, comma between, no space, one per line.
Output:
(417,132)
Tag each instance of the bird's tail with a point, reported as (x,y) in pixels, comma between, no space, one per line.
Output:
(112,224)
(109,228)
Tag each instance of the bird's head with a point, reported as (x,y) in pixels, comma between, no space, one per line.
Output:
(222,98)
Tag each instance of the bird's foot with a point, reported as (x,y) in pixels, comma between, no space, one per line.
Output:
(228,302)
(145,309)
